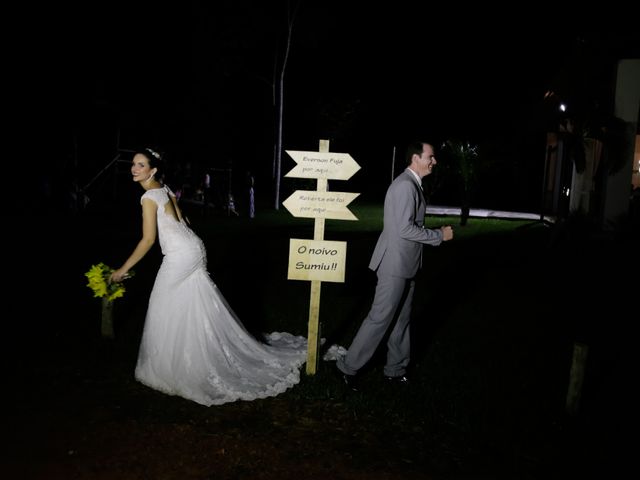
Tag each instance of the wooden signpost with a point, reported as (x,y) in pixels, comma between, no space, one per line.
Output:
(319,260)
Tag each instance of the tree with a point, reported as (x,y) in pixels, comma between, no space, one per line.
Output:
(464,157)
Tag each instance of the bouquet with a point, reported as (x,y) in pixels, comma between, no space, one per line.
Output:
(101,285)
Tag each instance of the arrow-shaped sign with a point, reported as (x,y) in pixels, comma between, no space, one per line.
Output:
(312,204)
(329,165)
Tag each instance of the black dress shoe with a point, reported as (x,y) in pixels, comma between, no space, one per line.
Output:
(400,380)
(350,381)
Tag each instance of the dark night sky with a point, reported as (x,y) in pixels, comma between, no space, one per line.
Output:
(195,78)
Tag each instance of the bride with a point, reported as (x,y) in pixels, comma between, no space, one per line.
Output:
(193,345)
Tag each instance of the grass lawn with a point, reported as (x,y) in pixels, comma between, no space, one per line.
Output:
(496,314)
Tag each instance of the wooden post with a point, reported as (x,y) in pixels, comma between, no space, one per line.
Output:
(576,377)
(313,340)
(106,326)
(319,260)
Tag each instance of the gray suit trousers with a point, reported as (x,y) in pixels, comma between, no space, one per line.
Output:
(392,301)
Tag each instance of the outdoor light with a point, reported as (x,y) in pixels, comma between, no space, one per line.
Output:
(563,107)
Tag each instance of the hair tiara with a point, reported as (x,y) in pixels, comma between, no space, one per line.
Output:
(155,154)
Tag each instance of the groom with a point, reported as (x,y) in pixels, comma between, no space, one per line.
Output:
(396,259)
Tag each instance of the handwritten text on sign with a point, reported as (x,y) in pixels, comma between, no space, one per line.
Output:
(312,204)
(317,260)
(329,165)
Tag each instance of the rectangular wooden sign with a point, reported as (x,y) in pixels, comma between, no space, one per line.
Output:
(317,260)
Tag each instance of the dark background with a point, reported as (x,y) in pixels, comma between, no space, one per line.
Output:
(196,80)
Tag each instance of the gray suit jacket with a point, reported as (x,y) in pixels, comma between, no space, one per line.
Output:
(399,248)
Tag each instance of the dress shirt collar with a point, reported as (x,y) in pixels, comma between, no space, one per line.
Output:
(416,176)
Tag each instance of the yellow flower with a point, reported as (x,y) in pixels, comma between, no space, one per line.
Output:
(98,276)
(117,293)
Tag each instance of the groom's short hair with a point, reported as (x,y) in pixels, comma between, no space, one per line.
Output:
(414,148)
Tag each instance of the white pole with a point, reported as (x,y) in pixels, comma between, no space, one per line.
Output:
(393,162)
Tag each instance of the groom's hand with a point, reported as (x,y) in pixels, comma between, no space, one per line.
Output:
(447,233)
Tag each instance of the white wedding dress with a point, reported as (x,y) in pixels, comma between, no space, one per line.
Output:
(193,345)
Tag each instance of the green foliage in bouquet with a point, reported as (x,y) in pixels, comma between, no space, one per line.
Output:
(98,276)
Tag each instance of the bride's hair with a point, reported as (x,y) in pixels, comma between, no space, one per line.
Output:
(152,154)
(156,160)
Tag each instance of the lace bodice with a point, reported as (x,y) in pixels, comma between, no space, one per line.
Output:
(172,233)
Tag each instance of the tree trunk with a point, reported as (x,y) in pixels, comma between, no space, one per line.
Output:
(464,215)
(464,208)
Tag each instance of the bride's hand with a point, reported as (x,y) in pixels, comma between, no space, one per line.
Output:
(118,275)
